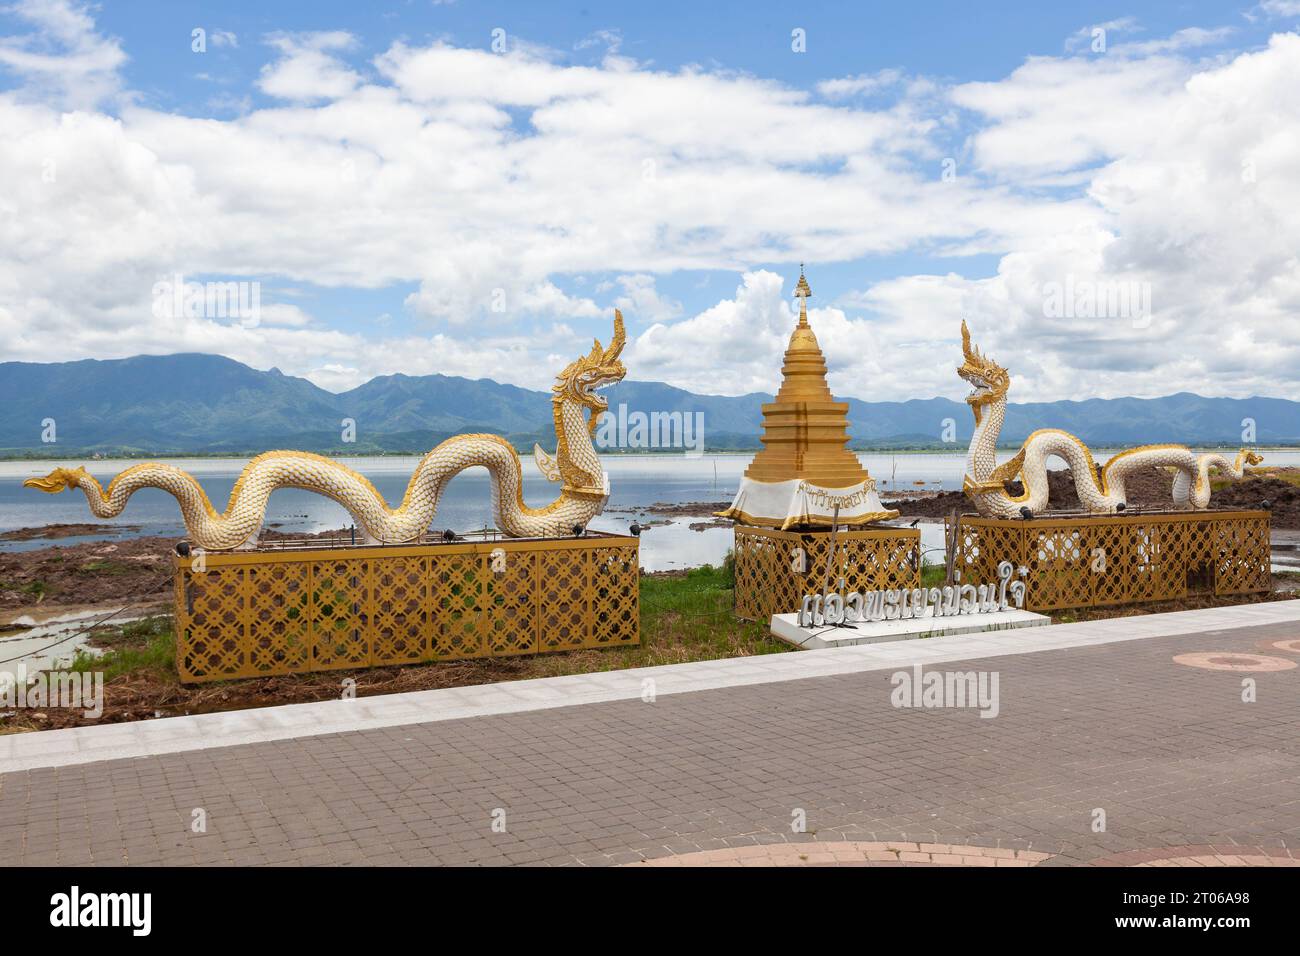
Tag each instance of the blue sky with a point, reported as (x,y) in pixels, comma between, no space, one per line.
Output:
(957,40)
(960,40)
(387,173)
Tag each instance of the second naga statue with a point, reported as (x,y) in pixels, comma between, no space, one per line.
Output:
(985,482)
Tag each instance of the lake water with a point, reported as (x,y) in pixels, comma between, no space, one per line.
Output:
(635,482)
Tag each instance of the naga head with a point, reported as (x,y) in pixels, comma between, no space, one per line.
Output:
(989,381)
(1250,457)
(582,378)
(60,479)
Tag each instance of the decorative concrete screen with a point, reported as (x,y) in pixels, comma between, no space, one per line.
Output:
(775,569)
(1092,561)
(254,614)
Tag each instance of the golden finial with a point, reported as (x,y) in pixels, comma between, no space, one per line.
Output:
(802,291)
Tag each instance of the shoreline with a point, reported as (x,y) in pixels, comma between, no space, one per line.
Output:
(954,449)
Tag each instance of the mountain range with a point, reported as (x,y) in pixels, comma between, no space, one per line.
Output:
(207,404)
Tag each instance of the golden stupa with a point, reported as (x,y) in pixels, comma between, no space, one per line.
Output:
(805,470)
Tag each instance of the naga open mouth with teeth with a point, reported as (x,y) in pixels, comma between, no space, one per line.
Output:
(988,380)
(584,378)
(980,386)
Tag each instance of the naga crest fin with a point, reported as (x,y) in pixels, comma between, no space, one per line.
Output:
(1008,470)
(618,341)
(546,464)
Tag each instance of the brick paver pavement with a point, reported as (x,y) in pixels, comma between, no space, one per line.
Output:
(1180,765)
(852,853)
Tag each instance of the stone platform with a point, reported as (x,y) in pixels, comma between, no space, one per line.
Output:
(786,627)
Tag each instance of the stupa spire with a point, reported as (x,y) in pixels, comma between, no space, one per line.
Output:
(804,293)
(805,473)
(805,431)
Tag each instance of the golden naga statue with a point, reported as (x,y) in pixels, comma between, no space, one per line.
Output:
(576,408)
(985,481)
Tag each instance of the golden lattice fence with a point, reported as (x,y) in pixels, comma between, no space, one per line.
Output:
(1097,560)
(280,612)
(775,569)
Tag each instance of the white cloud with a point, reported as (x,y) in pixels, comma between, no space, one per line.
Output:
(731,348)
(307,70)
(859,85)
(641,299)
(611,40)
(1086,38)
(65,59)
(1281,8)
(1056,114)
(283,313)
(1202,219)
(469,292)
(1195,202)
(1187,39)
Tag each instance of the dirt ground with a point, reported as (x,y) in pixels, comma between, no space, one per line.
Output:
(68,531)
(687,509)
(1149,489)
(91,572)
(1283,498)
(95,572)
(1281,592)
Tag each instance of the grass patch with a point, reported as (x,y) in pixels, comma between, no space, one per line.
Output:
(933,575)
(38,589)
(690,618)
(104,566)
(148,644)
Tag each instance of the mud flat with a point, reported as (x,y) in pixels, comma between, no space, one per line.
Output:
(97,573)
(1150,489)
(52,531)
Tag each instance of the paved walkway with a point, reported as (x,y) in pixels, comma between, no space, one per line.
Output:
(150,738)
(730,755)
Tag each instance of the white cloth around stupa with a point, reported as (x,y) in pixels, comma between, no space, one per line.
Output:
(799,502)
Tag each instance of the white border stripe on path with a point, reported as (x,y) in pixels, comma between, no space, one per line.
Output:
(58,748)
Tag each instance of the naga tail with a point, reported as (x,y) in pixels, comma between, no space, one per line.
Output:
(1235,468)
(109,503)
(1192,488)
